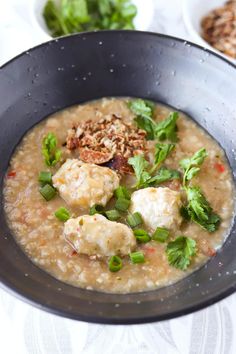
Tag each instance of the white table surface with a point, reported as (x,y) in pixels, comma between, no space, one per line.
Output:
(27,330)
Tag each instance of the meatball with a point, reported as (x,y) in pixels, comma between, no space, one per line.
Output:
(158,207)
(83,185)
(95,235)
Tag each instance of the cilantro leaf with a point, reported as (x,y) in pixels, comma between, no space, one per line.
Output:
(144,112)
(140,166)
(200,211)
(141,108)
(161,153)
(180,252)
(167,128)
(163,130)
(191,166)
(164,174)
(53,19)
(51,154)
(147,125)
(144,177)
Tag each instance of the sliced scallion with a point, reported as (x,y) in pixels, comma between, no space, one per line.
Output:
(134,219)
(122,192)
(115,264)
(161,234)
(96,209)
(112,215)
(122,204)
(142,236)
(48,192)
(45,177)
(137,257)
(62,214)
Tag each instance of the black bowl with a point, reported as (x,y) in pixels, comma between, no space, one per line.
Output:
(85,67)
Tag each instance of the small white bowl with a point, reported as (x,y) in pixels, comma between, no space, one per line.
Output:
(193,12)
(142,21)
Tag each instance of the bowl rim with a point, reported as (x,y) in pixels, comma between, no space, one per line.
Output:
(203,302)
(206,49)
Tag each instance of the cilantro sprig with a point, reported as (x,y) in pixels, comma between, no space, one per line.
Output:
(143,173)
(180,252)
(49,150)
(144,112)
(161,153)
(191,166)
(166,129)
(72,16)
(140,166)
(199,210)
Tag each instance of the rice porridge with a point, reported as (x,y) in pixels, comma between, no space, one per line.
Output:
(142,196)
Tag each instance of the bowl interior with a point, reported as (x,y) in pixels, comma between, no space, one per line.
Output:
(156,67)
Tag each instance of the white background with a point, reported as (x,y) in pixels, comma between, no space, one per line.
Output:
(26,330)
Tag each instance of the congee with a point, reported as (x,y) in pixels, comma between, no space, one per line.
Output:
(119,195)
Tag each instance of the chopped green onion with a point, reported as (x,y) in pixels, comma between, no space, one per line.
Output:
(45,177)
(115,264)
(48,192)
(112,215)
(142,236)
(134,219)
(137,257)
(122,192)
(122,204)
(161,234)
(96,209)
(62,214)
(49,150)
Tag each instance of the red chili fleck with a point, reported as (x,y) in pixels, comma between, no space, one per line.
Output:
(211,252)
(73,253)
(150,249)
(11,174)
(219,167)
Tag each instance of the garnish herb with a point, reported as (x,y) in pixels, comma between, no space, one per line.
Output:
(112,215)
(140,166)
(122,204)
(199,210)
(164,174)
(191,166)
(134,220)
(161,234)
(122,192)
(72,16)
(144,112)
(137,257)
(45,177)
(142,236)
(115,264)
(96,209)
(180,252)
(162,151)
(48,192)
(62,214)
(167,129)
(143,176)
(163,130)
(49,150)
